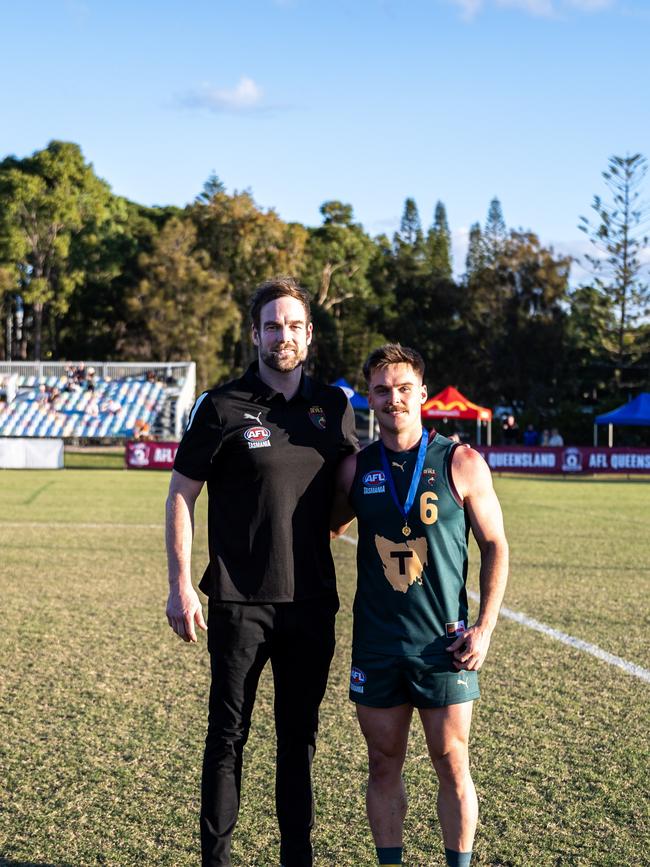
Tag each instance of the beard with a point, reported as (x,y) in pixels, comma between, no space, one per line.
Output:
(293,358)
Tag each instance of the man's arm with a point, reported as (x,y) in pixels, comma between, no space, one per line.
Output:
(473,482)
(342,512)
(183,604)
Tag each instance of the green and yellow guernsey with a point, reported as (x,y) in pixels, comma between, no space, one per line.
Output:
(411,597)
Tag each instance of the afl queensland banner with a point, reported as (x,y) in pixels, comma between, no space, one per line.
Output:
(150,455)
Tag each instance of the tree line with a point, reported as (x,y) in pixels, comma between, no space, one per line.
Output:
(88,274)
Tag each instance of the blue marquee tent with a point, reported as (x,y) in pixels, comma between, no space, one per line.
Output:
(636,412)
(357,400)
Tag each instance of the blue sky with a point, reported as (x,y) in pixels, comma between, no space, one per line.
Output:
(367,101)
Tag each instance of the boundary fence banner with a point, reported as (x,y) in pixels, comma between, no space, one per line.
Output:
(26,453)
(145,455)
(569,460)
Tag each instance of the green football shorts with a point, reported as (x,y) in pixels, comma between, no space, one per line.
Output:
(388,681)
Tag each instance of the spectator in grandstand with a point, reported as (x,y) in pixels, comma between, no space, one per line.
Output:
(43,395)
(112,406)
(268,445)
(80,372)
(545,437)
(556,438)
(531,437)
(73,382)
(141,429)
(90,379)
(509,431)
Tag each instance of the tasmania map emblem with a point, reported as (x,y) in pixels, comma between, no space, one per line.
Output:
(317,417)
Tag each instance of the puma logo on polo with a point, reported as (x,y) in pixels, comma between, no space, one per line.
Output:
(396,464)
(254,417)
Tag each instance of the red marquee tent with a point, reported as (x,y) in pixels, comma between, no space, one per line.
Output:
(450,403)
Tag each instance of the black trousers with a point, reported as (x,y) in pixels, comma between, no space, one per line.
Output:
(298,639)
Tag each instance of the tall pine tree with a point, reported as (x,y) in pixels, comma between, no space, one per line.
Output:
(475,260)
(439,244)
(495,232)
(619,241)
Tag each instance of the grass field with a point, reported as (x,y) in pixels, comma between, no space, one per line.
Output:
(102,709)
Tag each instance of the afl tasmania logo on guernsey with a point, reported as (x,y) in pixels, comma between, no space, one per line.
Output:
(374,482)
(258,437)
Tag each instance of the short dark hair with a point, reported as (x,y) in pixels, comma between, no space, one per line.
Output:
(393,353)
(277,287)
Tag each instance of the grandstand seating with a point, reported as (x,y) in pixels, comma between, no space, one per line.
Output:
(110,410)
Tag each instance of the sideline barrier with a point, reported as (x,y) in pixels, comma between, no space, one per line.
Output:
(567,460)
(145,455)
(19,453)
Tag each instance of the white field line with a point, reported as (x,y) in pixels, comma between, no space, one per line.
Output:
(73,524)
(577,643)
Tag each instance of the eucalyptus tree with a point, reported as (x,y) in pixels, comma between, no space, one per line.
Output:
(47,201)
(183,308)
(335,271)
(245,245)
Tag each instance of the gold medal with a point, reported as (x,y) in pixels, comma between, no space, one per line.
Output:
(406,530)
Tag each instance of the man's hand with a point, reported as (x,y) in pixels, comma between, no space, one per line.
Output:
(183,611)
(470,649)
(473,482)
(183,604)
(342,512)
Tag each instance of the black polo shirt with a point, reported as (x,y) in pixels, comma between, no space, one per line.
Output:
(269,465)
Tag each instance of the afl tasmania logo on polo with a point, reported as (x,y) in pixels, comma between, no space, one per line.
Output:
(258,437)
(374,482)
(357,679)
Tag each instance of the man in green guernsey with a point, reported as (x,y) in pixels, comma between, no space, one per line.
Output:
(416,495)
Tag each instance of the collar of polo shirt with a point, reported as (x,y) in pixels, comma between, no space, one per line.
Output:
(252,378)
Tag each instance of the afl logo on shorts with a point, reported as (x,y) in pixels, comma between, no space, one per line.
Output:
(258,437)
(357,679)
(374,482)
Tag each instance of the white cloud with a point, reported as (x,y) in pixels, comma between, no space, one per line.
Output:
(246,96)
(77,9)
(541,8)
(469,9)
(591,5)
(384,226)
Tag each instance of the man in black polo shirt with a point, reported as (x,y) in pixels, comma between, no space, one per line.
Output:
(267,445)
